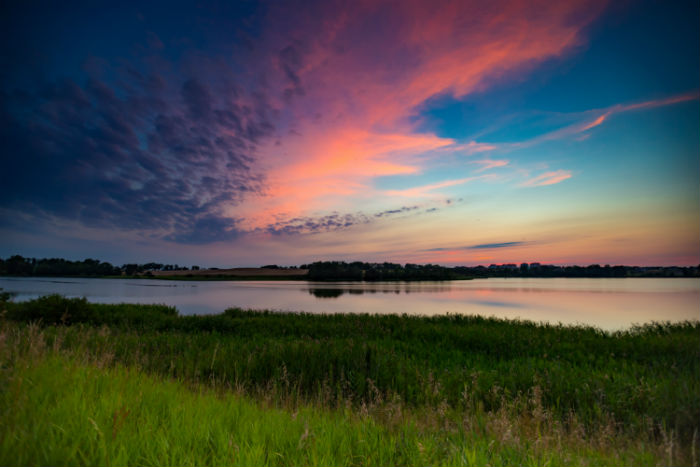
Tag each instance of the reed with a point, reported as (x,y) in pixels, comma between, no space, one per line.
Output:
(553,392)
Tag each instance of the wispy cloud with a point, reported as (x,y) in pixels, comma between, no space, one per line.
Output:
(490,246)
(481,246)
(328,223)
(336,221)
(594,118)
(677,99)
(426,190)
(472,147)
(401,210)
(548,178)
(487,164)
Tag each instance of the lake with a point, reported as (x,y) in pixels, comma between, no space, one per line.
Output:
(610,304)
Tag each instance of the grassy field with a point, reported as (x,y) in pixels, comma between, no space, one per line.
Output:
(241,274)
(134,384)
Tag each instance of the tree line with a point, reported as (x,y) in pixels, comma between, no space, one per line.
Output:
(348,271)
(358,271)
(354,271)
(593,270)
(20,266)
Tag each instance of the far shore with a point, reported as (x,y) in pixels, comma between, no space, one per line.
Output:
(229,274)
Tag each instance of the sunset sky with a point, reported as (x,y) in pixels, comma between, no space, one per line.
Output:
(248,133)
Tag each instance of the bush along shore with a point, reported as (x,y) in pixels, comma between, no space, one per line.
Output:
(84,383)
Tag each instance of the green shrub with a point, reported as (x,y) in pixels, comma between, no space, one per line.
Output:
(53,309)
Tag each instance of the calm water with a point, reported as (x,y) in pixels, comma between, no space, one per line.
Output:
(607,303)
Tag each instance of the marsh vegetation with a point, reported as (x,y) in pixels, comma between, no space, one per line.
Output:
(135,384)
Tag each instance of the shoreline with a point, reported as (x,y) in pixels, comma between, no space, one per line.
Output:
(303,278)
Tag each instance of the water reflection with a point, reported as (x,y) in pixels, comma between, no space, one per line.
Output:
(360,288)
(607,303)
(407,288)
(327,293)
(336,293)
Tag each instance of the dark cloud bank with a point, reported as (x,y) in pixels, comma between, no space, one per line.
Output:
(139,152)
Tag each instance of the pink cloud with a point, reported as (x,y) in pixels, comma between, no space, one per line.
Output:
(690,96)
(487,164)
(425,190)
(548,178)
(602,115)
(472,147)
(594,123)
(424,49)
(363,67)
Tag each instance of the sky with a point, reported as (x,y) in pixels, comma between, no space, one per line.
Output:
(246,133)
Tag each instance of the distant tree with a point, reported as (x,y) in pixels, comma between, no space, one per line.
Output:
(18,266)
(339,270)
(524,269)
(152,267)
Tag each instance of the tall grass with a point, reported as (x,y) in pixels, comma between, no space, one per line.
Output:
(61,408)
(535,390)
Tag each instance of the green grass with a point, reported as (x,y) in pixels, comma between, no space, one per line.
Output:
(57,411)
(447,390)
(84,415)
